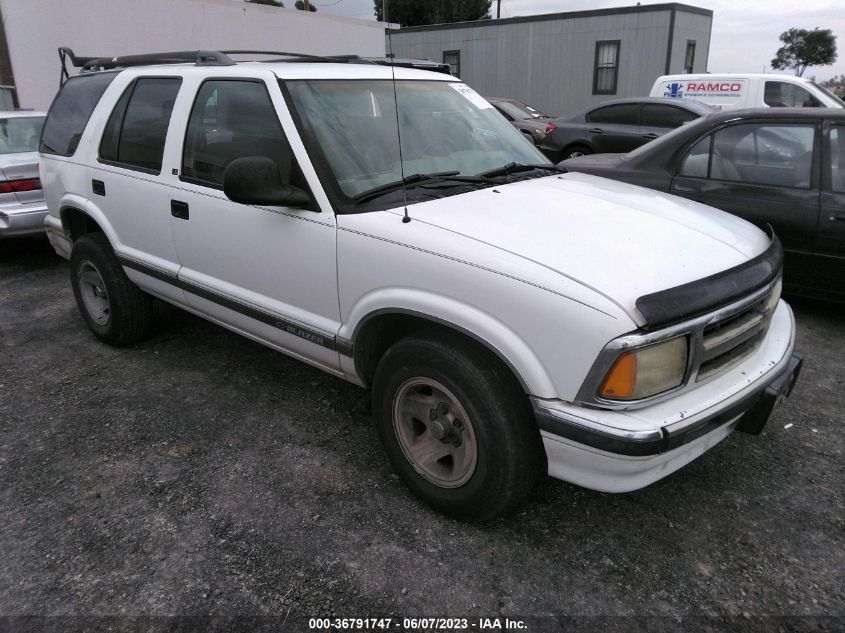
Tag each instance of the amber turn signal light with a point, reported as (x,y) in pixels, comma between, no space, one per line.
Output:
(622,377)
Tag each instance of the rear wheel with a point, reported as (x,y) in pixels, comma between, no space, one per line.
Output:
(575,151)
(115,309)
(456,426)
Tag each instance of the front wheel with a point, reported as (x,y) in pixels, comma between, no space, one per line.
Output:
(115,309)
(456,427)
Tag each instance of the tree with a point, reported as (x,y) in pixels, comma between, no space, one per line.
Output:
(421,12)
(272,3)
(803,48)
(301,6)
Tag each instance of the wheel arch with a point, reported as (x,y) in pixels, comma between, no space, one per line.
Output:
(578,143)
(379,328)
(77,222)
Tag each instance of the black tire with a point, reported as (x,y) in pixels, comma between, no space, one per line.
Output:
(117,312)
(574,151)
(509,452)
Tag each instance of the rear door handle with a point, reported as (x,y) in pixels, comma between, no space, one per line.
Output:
(650,135)
(837,218)
(179,209)
(596,130)
(98,187)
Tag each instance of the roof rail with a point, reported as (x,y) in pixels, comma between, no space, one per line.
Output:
(90,64)
(419,64)
(304,56)
(222,58)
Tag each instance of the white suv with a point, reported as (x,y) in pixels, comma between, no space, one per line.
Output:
(388,226)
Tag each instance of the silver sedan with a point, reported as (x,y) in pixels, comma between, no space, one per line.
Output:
(22,206)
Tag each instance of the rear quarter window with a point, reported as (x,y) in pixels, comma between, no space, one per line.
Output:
(70,112)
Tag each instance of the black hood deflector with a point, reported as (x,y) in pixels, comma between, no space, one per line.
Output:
(705,295)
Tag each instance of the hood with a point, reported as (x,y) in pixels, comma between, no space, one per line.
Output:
(619,240)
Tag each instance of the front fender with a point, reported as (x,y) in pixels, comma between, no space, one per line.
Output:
(477,324)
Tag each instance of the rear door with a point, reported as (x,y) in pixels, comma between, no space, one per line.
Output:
(614,128)
(128,182)
(765,172)
(657,119)
(831,234)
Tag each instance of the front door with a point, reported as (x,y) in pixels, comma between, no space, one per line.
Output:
(269,272)
(768,174)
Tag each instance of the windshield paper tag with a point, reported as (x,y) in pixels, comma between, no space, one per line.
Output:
(472,96)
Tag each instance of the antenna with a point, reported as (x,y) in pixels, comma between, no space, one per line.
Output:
(406,218)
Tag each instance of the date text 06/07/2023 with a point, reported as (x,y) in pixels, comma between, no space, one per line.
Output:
(412,624)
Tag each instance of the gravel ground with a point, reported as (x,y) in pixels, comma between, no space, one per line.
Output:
(200,474)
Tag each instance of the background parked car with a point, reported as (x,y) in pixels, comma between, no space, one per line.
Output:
(22,206)
(618,126)
(778,166)
(527,119)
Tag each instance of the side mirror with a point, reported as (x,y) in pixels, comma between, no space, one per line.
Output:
(256,180)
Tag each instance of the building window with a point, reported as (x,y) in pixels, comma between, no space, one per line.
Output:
(453,58)
(606,68)
(689,59)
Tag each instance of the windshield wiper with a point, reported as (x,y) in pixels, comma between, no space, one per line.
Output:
(414,180)
(513,168)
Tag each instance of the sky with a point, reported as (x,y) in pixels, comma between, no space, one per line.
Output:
(745,32)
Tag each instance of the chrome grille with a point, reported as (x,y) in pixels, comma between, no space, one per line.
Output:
(734,336)
(717,341)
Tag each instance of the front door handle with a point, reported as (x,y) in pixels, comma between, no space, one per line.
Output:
(650,135)
(837,218)
(596,130)
(179,209)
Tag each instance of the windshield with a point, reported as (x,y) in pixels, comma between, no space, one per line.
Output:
(445,128)
(836,99)
(520,111)
(20,134)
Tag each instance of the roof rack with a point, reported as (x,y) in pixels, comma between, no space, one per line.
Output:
(91,64)
(222,58)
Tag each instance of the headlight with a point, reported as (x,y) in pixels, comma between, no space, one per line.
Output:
(646,371)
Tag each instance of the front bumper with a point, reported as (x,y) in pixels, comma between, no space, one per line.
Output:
(616,451)
(22,219)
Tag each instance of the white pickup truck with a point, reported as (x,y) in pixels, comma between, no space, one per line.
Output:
(388,226)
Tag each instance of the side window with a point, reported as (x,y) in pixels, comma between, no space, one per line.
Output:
(70,112)
(837,158)
(655,115)
(689,57)
(697,161)
(606,67)
(622,114)
(779,94)
(137,128)
(766,154)
(453,58)
(234,119)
